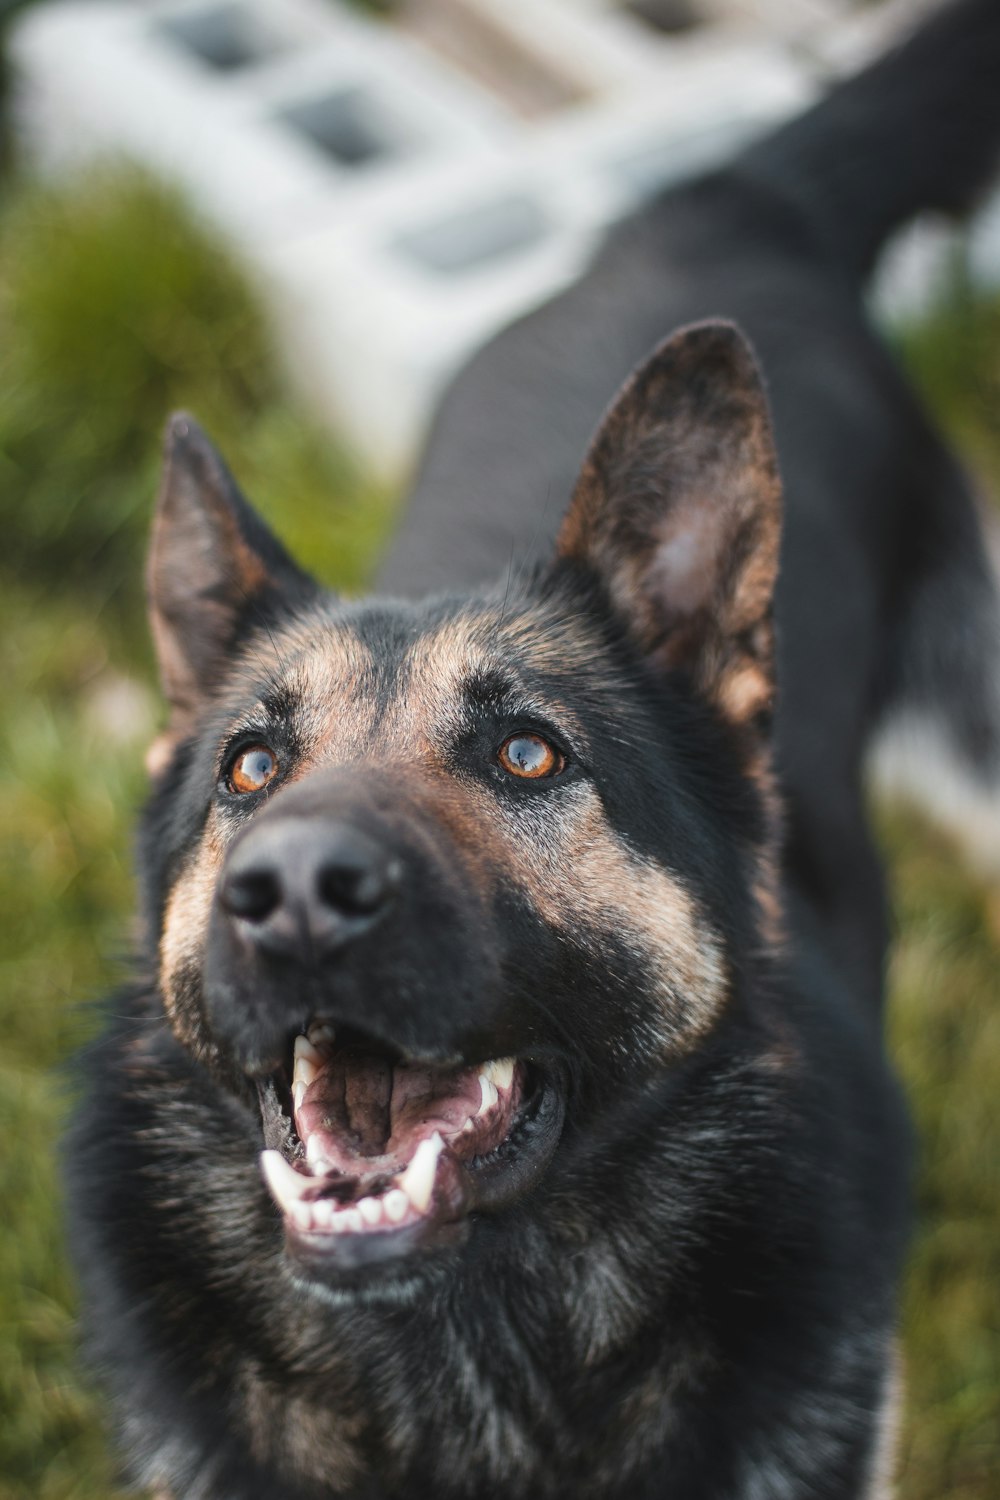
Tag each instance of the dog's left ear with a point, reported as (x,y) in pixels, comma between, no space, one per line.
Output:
(678,510)
(213,567)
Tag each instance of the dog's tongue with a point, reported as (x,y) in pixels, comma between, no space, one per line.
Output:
(361,1112)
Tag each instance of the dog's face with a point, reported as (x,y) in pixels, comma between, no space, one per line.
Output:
(444,890)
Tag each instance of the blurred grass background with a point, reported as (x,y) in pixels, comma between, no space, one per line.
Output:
(114,308)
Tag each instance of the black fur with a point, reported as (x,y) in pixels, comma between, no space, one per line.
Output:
(682,1281)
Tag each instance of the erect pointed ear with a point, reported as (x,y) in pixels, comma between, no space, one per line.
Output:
(678,510)
(211,562)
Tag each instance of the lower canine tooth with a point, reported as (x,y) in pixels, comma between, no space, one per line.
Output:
(395,1204)
(285,1184)
(417,1182)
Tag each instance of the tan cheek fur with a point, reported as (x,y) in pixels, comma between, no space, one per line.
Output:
(185,928)
(583,880)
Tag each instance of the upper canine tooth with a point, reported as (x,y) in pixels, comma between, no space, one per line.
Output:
(306,1062)
(500,1072)
(417,1182)
(488,1091)
(286,1185)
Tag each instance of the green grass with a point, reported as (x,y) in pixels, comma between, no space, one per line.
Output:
(113,309)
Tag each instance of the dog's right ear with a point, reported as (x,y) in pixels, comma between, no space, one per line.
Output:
(212,564)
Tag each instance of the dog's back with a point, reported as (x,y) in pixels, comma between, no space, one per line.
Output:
(887,605)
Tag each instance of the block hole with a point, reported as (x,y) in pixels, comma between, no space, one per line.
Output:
(347,126)
(476,237)
(670,17)
(225,38)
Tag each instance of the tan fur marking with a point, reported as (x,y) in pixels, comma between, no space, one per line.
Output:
(581,877)
(770,909)
(742,692)
(425,714)
(185,928)
(329,673)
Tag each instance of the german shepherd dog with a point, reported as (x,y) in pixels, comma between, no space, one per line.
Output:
(503,1107)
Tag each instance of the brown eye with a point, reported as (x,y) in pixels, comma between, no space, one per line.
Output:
(252,769)
(529,755)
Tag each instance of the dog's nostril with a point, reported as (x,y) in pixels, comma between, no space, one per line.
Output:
(358,889)
(252,894)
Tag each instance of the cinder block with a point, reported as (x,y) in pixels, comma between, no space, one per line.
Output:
(395,194)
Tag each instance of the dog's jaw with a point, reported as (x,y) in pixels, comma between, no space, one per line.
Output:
(372,1159)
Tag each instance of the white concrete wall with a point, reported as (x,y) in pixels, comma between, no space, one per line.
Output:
(394,210)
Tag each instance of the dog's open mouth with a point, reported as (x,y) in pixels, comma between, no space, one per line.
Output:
(369,1156)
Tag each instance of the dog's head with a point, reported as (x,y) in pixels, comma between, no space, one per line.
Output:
(444,891)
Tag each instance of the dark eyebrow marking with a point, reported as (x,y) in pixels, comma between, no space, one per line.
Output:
(492,688)
(280,701)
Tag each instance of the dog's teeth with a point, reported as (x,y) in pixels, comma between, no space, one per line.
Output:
(319,1032)
(298,1094)
(314,1156)
(370,1210)
(285,1184)
(323,1213)
(306,1062)
(417,1182)
(488,1091)
(500,1072)
(394,1205)
(302,1214)
(470,1124)
(305,1048)
(351,1221)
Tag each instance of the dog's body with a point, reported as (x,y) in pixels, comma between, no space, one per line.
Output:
(518,857)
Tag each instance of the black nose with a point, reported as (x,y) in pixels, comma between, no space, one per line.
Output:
(306,886)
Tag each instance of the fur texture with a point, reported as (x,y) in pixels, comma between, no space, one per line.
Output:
(599,827)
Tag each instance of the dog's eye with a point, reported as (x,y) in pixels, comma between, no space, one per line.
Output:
(252,769)
(530,755)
